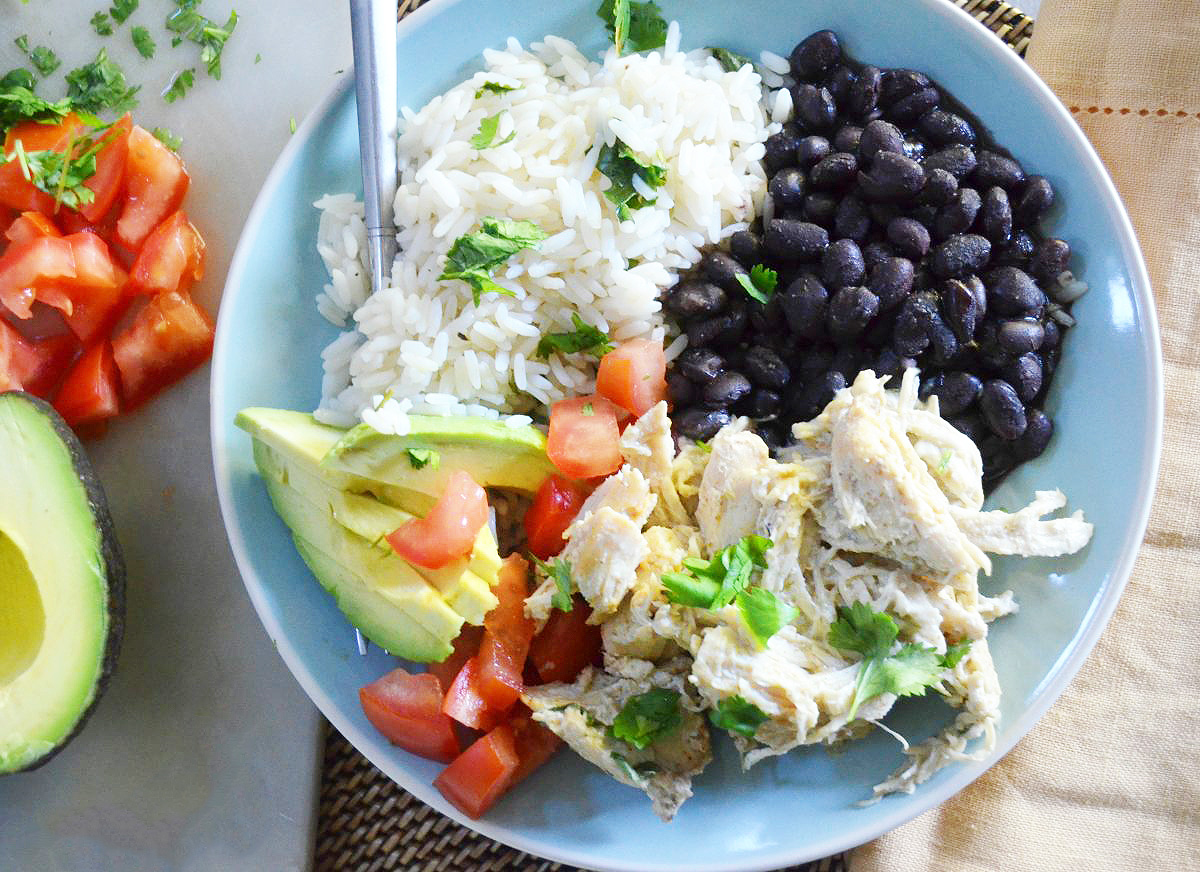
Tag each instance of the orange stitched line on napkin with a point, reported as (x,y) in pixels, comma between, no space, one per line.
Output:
(1108,110)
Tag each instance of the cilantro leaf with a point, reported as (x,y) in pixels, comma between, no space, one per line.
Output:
(44,60)
(715,583)
(584,337)
(17,78)
(62,174)
(947,455)
(729,60)
(101,85)
(647,717)
(760,284)
(955,653)
(764,613)
(22,42)
(186,23)
(473,256)
(737,715)
(180,84)
(122,9)
(494,88)
(637,774)
(621,165)
(560,571)
(863,630)
(101,24)
(641,25)
(167,138)
(143,42)
(487,133)
(690,590)
(19,103)
(419,458)
(703,446)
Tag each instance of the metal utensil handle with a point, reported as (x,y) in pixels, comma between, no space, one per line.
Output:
(373,35)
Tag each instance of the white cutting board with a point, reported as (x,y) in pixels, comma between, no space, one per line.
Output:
(204,753)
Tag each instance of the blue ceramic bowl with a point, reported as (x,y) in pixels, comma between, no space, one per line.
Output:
(1106,401)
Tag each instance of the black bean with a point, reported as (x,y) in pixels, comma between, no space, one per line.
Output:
(722,270)
(910,336)
(928,385)
(864,93)
(975,285)
(997,459)
(891,281)
(1018,251)
(875,253)
(890,363)
(699,365)
(958,215)
(924,214)
(780,148)
(842,264)
(725,390)
(814,108)
(1025,375)
(731,324)
(996,222)
(1036,437)
(882,214)
(940,187)
(746,246)
(960,254)
(805,304)
(840,82)
(820,207)
(958,160)
(847,138)
(1036,197)
(961,309)
(1011,291)
(996,169)
(814,364)
(850,360)
(990,356)
(1049,259)
(765,367)
(762,403)
(766,319)
(812,149)
(915,149)
(912,107)
(892,177)
(704,332)
(900,83)
(850,310)
(787,188)
(945,128)
(789,239)
(835,172)
(943,343)
(971,426)
(680,389)
(815,54)
(1002,409)
(879,136)
(700,423)
(851,220)
(1019,336)
(1052,335)
(693,299)
(816,394)
(909,236)
(957,392)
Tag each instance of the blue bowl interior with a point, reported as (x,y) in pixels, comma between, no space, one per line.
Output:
(1106,403)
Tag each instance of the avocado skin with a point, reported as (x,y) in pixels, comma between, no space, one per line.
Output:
(110,552)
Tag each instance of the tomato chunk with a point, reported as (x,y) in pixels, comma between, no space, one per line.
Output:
(155,185)
(584,439)
(634,375)
(98,290)
(535,744)
(169,338)
(481,774)
(105,183)
(554,507)
(506,638)
(31,270)
(465,703)
(30,225)
(171,259)
(89,392)
(34,366)
(466,646)
(566,644)
(449,530)
(19,192)
(407,709)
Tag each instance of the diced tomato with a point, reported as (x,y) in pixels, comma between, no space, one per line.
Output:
(31,225)
(481,774)
(584,439)
(89,392)
(407,709)
(554,507)
(7,217)
(466,645)
(31,270)
(535,744)
(169,338)
(155,185)
(171,258)
(634,375)
(506,637)
(19,192)
(105,183)
(448,532)
(34,366)
(465,703)
(98,289)
(566,644)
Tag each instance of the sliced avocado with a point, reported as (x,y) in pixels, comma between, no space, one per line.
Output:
(495,454)
(62,585)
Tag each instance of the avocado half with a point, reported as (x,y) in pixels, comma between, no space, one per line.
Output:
(62,584)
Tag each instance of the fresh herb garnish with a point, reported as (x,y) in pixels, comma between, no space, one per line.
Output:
(712,584)
(559,570)
(62,174)
(22,42)
(487,133)
(760,284)
(143,42)
(122,9)
(258,58)
(19,103)
(584,337)
(588,410)
(101,85)
(731,61)
(419,458)
(180,84)
(101,24)
(473,256)
(637,774)
(737,715)
(621,165)
(703,446)
(908,672)
(167,138)
(494,88)
(640,25)
(292,124)
(945,464)
(647,717)
(186,23)
(44,60)
(764,613)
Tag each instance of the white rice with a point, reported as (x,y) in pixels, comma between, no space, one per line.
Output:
(422,345)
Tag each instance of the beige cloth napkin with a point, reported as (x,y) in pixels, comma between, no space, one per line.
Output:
(1110,778)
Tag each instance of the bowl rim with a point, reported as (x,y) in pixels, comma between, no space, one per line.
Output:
(1063,672)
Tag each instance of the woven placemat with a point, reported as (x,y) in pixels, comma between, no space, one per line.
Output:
(366,823)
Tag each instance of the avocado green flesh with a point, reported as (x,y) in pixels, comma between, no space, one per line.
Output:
(55,627)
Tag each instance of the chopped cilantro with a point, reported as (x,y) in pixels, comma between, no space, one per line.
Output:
(44,60)
(419,458)
(559,570)
(22,42)
(494,88)
(584,337)
(737,715)
(122,9)
(186,23)
(945,464)
(179,85)
(640,25)
(760,284)
(764,613)
(143,41)
(62,174)
(487,133)
(292,124)
(712,584)
(703,446)
(101,24)
(729,60)
(637,774)
(19,103)
(621,165)
(258,58)
(647,717)
(167,138)
(588,410)
(473,256)
(955,653)
(101,85)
